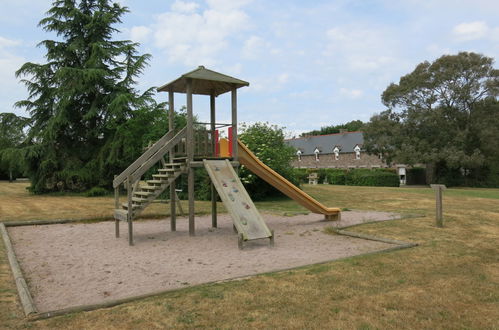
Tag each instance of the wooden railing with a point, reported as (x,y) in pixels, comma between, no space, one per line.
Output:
(150,157)
(203,145)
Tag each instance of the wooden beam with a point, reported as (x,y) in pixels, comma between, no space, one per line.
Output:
(234,124)
(130,210)
(214,223)
(117,206)
(190,157)
(171,126)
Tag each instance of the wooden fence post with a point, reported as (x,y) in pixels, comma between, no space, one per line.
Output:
(439,208)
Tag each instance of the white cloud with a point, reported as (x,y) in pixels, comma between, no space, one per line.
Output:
(253,47)
(470,31)
(140,33)
(283,78)
(360,48)
(184,7)
(10,62)
(4,42)
(198,37)
(351,93)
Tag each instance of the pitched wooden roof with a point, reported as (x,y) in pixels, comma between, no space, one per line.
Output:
(205,82)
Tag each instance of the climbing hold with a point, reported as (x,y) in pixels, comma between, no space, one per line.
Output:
(224,184)
(217,169)
(234,189)
(231,197)
(244,221)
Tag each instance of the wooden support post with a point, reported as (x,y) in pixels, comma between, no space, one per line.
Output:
(173,193)
(130,210)
(214,221)
(439,221)
(234,124)
(190,157)
(117,206)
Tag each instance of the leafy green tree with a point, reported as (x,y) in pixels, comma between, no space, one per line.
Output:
(434,115)
(81,100)
(12,136)
(267,143)
(351,126)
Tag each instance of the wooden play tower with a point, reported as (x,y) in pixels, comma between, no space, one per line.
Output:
(179,151)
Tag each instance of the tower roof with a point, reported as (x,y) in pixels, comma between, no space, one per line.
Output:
(205,82)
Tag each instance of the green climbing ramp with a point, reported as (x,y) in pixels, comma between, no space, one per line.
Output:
(246,217)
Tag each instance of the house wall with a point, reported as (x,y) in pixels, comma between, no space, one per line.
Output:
(346,160)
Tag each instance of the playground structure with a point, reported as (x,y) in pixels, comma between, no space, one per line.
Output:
(180,151)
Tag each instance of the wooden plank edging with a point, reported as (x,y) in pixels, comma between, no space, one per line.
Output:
(22,287)
(33,315)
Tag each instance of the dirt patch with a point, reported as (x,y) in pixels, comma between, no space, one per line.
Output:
(78,264)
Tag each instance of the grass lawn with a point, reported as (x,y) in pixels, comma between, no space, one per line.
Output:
(450,281)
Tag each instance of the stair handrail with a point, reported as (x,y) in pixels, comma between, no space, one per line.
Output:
(150,157)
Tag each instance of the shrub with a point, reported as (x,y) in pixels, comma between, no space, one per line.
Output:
(96,191)
(365,177)
(301,175)
(337,177)
(267,143)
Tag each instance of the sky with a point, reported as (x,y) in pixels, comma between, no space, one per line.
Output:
(309,63)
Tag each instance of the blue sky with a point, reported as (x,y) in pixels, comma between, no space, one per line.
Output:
(309,63)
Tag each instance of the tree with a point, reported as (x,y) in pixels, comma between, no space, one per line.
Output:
(267,143)
(81,98)
(12,136)
(433,114)
(351,126)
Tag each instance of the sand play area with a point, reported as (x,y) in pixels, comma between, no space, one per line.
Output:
(76,264)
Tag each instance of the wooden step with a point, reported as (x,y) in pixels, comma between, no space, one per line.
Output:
(149,188)
(143,193)
(153,182)
(179,159)
(121,214)
(167,170)
(162,176)
(139,200)
(173,164)
(134,206)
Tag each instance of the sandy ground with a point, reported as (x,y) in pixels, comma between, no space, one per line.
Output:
(78,264)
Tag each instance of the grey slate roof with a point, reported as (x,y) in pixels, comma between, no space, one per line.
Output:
(204,81)
(326,143)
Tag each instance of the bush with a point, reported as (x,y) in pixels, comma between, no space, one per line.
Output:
(267,143)
(337,177)
(96,192)
(378,178)
(301,175)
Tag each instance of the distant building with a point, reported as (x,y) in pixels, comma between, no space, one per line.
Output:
(341,150)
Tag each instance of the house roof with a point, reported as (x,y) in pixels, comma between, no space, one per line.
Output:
(205,82)
(326,143)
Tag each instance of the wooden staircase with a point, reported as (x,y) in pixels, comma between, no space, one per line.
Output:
(147,191)
(140,193)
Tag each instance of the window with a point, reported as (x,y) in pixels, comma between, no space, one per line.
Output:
(316,152)
(357,152)
(336,152)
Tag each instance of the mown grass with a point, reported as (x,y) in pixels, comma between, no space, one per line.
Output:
(450,281)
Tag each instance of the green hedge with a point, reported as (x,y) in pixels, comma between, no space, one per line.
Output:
(382,177)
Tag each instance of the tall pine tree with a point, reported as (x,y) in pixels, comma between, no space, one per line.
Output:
(82,99)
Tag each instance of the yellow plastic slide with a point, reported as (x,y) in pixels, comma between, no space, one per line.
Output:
(248,159)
